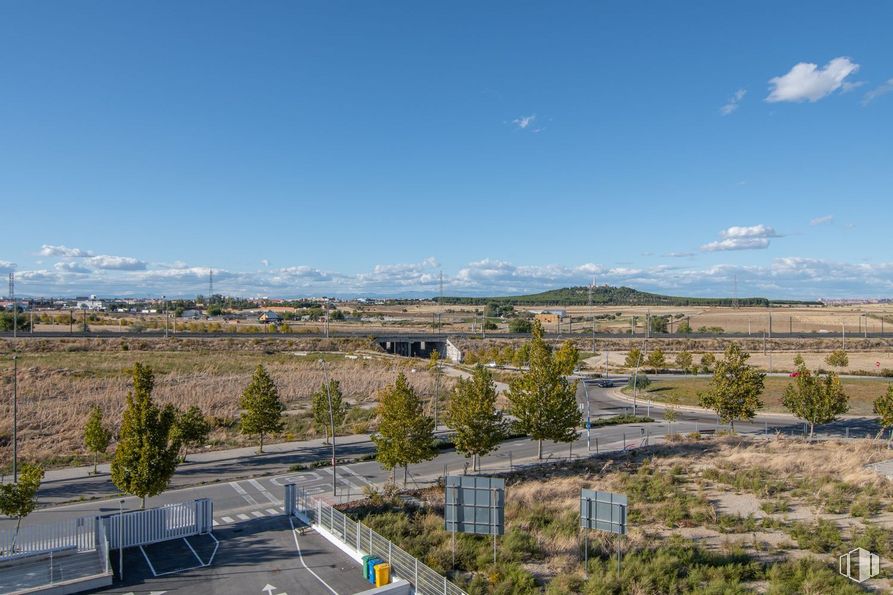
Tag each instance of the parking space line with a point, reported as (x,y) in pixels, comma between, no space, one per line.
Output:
(149,562)
(191,549)
(241,491)
(301,556)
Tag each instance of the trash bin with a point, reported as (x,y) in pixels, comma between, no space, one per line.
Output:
(366,566)
(370,565)
(382,574)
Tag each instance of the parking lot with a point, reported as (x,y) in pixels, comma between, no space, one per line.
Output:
(261,555)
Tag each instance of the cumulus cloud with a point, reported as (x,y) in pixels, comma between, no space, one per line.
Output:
(878,91)
(51,250)
(115,263)
(754,237)
(734,101)
(807,82)
(72,267)
(524,122)
(821,220)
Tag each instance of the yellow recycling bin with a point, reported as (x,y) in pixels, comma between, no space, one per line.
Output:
(382,574)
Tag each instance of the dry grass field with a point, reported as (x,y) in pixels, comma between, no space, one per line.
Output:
(724,515)
(57,389)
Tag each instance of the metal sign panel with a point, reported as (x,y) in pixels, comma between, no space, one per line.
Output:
(603,511)
(475,505)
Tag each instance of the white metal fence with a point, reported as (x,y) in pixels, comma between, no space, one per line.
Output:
(366,541)
(77,533)
(142,527)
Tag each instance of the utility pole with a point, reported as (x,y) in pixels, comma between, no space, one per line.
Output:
(592,314)
(15,418)
(843,335)
(15,305)
(332,424)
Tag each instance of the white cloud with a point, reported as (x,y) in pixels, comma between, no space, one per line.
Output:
(878,91)
(524,121)
(754,237)
(72,267)
(115,263)
(733,102)
(821,220)
(678,254)
(6,266)
(807,82)
(51,250)
(264,262)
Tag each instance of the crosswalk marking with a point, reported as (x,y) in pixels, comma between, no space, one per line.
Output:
(258,513)
(244,517)
(264,491)
(241,491)
(272,511)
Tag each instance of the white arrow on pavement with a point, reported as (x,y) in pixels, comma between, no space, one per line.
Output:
(269,589)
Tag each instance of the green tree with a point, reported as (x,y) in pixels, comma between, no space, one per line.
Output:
(659,324)
(8,320)
(405,434)
(684,361)
(472,414)
(815,399)
(519,325)
(640,381)
(708,362)
(883,407)
(735,388)
(567,357)
(18,500)
(541,399)
(148,447)
(838,358)
(320,408)
(522,356)
(656,360)
(633,358)
(192,429)
(798,361)
(96,436)
(684,328)
(261,407)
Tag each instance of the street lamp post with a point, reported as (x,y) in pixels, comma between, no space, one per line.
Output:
(332,424)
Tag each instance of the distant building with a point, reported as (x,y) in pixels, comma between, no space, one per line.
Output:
(549,316)
(90,303)
(193,314)
(270,317)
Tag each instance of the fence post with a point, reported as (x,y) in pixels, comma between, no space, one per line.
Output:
(596,445)
(416,582)
(390,543)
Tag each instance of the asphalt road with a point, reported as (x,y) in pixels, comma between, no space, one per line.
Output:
(248,485)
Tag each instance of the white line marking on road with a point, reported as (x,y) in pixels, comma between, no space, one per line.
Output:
(264,491)
(215,523)
(258,513)
(191,549)
(227,519)
(357,475)
(241,491)
(244,517)
(149,562)
(304,564)
(273,511)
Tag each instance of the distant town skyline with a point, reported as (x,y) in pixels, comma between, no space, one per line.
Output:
(318,148)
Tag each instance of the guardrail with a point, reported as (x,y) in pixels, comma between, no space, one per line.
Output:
(366,541)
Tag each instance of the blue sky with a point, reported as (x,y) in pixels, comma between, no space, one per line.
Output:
(307,148)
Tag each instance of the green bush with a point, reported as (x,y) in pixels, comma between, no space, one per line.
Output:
(821,537)
(808,575)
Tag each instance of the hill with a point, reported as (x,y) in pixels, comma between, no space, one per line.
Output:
(613,296)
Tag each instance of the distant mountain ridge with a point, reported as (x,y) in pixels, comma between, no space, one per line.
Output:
(616,296)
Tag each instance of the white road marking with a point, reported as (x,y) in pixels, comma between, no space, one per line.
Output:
(244,517)
(257,513)
(357,475)
(227,519)
(304,564)
(241,491)
(273,511)
(215,523)
(263,490)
